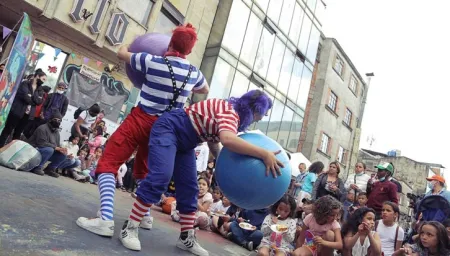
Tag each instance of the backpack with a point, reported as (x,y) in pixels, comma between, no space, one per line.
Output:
(78,112)
(433,208)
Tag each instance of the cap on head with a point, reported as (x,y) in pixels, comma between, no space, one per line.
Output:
(56,114)
(437,178)
(386,167)
(183,39)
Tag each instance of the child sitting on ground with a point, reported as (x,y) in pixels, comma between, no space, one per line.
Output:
(205,200)
(221,224)
(278,242)
(321,232)
(248,239)
(97,141)
(217,199)
(360,237)
(91,164)
(348,205)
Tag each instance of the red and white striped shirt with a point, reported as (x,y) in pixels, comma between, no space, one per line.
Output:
(212,116)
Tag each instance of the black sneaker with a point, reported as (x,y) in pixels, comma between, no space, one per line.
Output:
(38,171)
(51,172)
(229,235)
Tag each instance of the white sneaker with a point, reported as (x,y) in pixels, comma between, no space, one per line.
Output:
(147,222)
(188,242)
(97,226)
(129,235)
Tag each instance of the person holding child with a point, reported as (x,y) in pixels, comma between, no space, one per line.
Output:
(172,141)
(274,242)
(321,232)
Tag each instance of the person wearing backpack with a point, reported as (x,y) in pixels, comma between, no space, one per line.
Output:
(84,121)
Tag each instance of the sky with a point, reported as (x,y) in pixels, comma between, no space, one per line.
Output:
(405,43)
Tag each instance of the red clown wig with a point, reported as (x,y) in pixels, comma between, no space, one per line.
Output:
(183,40)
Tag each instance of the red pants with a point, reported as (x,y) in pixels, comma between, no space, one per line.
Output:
(133,133)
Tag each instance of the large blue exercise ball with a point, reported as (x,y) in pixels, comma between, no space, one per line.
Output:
(243,179)
(153,43)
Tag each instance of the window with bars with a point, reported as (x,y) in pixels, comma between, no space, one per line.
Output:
(341,155)
(348,117)
(339,65)
(353,84)
(324,143)
(332,101)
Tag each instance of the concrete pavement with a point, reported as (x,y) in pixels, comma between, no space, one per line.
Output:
(38,213)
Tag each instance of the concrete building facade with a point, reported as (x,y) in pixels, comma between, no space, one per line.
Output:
(88,34)
(331,130)
(266,44)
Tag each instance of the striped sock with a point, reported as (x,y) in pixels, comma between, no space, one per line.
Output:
(139,210)
(147,213)
(187,221)
(107,188)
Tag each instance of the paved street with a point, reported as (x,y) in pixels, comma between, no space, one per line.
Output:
(37,217)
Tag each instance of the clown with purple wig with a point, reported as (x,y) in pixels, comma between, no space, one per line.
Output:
(173,139)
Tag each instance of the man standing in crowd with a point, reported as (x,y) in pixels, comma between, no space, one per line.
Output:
(437,187)
(383,190)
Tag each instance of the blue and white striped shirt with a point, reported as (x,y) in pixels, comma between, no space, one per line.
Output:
(157,91)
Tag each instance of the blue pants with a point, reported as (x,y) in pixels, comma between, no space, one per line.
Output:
(171,153)
(241,236)
(49,154)
(70,163)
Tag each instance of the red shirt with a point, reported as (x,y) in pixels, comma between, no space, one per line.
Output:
(210,117)
(382,191)
(40,107)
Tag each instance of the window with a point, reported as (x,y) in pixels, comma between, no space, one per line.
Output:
(286,15)
(274,11)
(303,93)
(286,71)
(138,10)
(339,65)
(341,155)
(296,25)
(251,40)
(324,143)
(264,52)
(353,84)
(313,44)
(332,101)
(294,135)
(275,62)
(275,119)
(295,79)
(240,85)
(286,124)
(264,123)
(348,117)
(304,34)
(164,24)
(263,4)
(235,30)
(222,79)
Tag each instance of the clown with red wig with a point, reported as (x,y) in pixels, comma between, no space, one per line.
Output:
(169,81)
(173,139)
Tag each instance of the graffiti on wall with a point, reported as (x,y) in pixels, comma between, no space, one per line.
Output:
(112,86)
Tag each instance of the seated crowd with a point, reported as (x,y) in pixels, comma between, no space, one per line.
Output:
(320,214)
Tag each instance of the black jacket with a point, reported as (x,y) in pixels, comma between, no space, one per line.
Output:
(48,108)
(45,136)
(25,97)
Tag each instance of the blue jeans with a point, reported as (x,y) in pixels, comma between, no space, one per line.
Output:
(50,155)
(241,236)
(70,163)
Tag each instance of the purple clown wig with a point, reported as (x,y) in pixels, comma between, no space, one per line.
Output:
(253,102)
